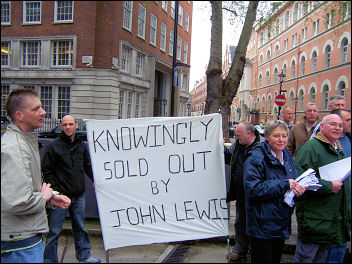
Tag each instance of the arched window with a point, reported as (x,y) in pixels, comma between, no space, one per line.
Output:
(258,103)
(295,12)
(261,59)
(303,65)
(276,50)
(341,88)
(275,75)
(284,70)
(267,78)
(291,98)
(325,97)
(268,55)
(287,19)
(269,104)
(263,104)
(344,47)
(260,80)
(312,95)
(300,100)
(314,61)
(277,26)
(327,56)
(293,69)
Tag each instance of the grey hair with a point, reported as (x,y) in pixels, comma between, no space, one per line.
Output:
(326,117)
(336,97)
(285,107)
(248,126)
(272,124)
(310,103)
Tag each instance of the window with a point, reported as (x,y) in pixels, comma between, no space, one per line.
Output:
(260,80)
(184,82)
(5,13)
(173,9)
(312,95)
(276,50)
(343,50)
(185,52)
(303,65)
(277,26)
(263,104)
(293,69)
(327,56)
(126,58)
(141,21)
(129,104)
(31,12)
(187,22)
(294,40)
(287,19)
(267,78)
(31,53)
(269,104)
(137,105)
(329,20)
(179,47)
(325,97)
(139,64)
(63,101)
(171,43)
(180,15)
(261,59)
(164,5)
(346,10)
(163,37)
(284,71)
(63,11)
(341,89)
(275,75)
(5,51)
(295,12)
(291,98)
(285,44)
(315,27)
(268,55)
(153,29)
(5,90)
(300,100)
(46,97)
(261,38)
(305,7)
(304,34)
(62,53)
(121,106)
(314,61)
(127,15)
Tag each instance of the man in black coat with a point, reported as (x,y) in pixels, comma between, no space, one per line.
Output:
(246,138)
(65,161)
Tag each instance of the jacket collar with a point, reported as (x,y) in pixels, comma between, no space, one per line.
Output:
(323,139)
(67,139)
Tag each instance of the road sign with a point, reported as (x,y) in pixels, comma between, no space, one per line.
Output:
(280,100)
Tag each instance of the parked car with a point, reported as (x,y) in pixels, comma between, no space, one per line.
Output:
(56,131)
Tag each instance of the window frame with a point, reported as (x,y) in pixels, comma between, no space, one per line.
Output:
(163,36)
(141,7)
(26,54)
(7,56)
(127,19)
(8,13)
(56,12)
(24,17)
(153,29)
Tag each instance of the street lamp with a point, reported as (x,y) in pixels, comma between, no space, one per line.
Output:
(188,109)
(281,79)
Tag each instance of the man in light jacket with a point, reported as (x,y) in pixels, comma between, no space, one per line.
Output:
(23,195)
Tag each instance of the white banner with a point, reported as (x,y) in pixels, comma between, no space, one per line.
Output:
(159,179)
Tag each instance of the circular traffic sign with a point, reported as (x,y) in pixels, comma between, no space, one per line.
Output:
(280,100)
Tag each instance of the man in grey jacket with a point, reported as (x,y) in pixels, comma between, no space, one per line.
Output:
(23,195)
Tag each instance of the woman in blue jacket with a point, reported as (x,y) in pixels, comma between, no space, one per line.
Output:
(269,172)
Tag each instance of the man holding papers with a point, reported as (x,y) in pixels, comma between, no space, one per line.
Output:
(323,216)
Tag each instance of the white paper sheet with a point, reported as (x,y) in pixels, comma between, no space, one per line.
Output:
(338,170)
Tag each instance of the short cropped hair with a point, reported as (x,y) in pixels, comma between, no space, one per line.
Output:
(310,103)
(272,124)
(285,107)
(336,97)
(249,127)
(15,100)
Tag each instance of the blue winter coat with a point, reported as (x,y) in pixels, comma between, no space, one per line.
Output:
(265,184)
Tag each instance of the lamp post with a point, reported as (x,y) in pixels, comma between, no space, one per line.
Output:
(282,77)
(188,109)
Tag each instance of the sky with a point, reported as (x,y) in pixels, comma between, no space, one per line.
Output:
(201,32)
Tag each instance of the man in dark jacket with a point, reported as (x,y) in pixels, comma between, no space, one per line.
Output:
(246,138)
(64,163)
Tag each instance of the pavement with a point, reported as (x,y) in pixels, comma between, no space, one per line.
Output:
(213,250)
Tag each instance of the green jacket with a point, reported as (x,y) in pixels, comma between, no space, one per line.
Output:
(323,217)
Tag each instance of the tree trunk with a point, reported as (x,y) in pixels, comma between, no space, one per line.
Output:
(214,71)
(220,93)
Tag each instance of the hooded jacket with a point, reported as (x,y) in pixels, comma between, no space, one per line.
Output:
(323,217)
(64,163)
(23,212)
(265,184)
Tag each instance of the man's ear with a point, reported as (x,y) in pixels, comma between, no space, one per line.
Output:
(19,115)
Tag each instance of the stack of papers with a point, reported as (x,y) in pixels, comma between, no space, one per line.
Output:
(307,179)
(338,170)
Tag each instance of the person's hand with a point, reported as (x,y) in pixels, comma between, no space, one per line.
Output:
(47,191)
(292,184)
(299,189)
(61,201)
(336,186)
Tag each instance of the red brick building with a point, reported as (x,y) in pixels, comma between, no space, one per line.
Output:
(96,59)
